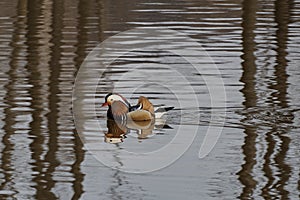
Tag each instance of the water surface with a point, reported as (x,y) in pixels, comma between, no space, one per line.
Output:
(254,44)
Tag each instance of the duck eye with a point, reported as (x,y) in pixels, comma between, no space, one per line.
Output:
(111,99)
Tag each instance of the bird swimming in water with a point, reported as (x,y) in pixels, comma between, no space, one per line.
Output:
(120,109)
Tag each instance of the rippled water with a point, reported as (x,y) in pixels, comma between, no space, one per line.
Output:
(254,44)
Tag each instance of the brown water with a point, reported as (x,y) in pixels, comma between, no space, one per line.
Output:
(255,45)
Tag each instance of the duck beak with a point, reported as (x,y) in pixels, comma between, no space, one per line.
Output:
(104,104)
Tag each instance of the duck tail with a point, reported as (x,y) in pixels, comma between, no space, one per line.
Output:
(159,112)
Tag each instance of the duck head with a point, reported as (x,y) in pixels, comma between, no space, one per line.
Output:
(112,97)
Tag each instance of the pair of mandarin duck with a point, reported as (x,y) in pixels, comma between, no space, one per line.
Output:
(121,110)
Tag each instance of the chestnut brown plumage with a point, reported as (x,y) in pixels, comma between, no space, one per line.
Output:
(146,104)
(118,109)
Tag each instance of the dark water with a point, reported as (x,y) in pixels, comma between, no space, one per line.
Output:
(255,45)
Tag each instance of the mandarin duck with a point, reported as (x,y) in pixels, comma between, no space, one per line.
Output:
(120,109)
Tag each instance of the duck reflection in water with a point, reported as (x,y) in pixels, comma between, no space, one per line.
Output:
(122,118)
(117,130)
